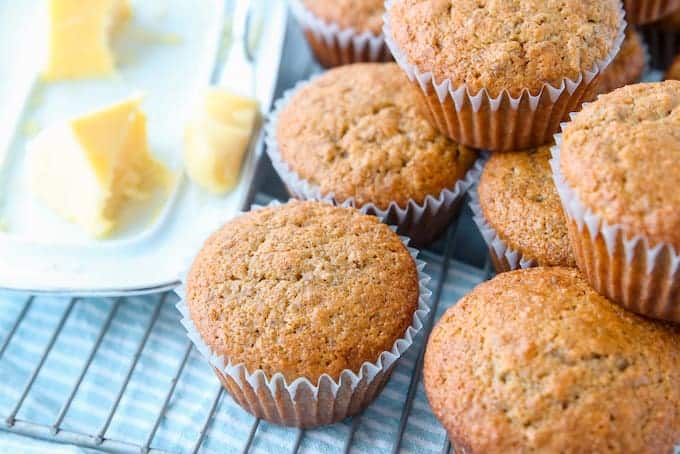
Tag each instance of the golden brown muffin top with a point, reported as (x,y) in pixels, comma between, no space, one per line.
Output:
(629,65)
(519,200)
(302,289)
(673,72)
(505,44)
(620,155)
(362,15)
(361,131)
(535,361)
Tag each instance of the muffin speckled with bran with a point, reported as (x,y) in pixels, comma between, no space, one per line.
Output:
(617,171)
(629,65)
(343,31)
(303,309)
(518,211)
(536,361)
(502,74)
(359,134)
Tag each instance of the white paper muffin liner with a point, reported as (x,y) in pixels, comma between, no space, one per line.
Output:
(503,257)
(504,122)
(625,267)
(302,403)
(335,46)
(419,221)
(640,12)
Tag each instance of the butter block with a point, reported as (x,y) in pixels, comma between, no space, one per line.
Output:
(217,137)
(80,37)
(88,168)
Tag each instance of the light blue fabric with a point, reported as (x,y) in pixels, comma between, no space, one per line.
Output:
(195,390)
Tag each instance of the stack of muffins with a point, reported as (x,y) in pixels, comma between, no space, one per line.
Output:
(303,309)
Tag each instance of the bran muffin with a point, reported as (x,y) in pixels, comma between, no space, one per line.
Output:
(617,172)
(663,40)
(305,291)
(343,31)
(629,65)
(535,361)
(519,203)
(673,72)
(360,133)
(645,11)
(485,68)
(361,15)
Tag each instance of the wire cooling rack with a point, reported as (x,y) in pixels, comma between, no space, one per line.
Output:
(138,402)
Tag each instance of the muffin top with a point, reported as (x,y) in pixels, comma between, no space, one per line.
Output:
(519,200)
(621,156)
(628,66)
(302,289)
(673,72)
(361,131)
(505,44)
(536,361)
(361,15)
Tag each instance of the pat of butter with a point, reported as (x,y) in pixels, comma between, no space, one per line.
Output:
(88,168)
(79,37)
(217,137)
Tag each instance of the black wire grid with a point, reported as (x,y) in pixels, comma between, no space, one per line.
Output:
(98,439)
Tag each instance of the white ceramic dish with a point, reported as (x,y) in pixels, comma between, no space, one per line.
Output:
(167,53)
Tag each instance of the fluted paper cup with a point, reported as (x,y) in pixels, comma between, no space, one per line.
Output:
(640,12)
(301,403)
(421,222)
(627,268)
(335,46)
(504,122)
(503,257)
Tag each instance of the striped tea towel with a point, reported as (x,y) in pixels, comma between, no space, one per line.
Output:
(197,387)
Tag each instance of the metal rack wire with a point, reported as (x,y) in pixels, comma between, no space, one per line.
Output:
(99,438)
(54,431)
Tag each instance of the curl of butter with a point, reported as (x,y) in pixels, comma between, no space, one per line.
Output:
(87,169)
(80,37)
(217,137)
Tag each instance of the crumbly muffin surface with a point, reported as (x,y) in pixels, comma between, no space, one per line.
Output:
(505,44)
(302,289)
(362,131)
(536,361)
(362,15)
(621,156)
(519,200)
(629,65)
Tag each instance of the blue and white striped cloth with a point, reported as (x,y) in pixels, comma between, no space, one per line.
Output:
(196,389)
